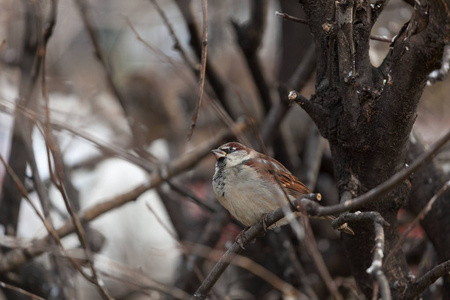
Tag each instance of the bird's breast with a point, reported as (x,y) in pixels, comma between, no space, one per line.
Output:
(245,195)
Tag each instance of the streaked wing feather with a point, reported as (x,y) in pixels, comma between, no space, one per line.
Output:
(290,183)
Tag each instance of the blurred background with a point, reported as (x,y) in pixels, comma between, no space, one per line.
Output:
(139,249)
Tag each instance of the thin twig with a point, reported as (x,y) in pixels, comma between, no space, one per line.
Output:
(291,18)
(48,226)
(178,46)
(318,260)
(203,66)
(313,209)
(58,181)
(416,221)
(303,21)
(249,38)
(107,67)
(299,270)
(220,89)
(19,290)
(426,280)
(184,192)
(48,28)
(251,266)
(105,147)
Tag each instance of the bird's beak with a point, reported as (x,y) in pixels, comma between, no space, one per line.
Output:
(218,153)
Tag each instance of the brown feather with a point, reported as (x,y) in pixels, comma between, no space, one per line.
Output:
(292,186)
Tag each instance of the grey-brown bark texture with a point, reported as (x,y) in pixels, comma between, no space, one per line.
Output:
(367,113)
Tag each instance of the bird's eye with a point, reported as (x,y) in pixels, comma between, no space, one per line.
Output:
(229,150)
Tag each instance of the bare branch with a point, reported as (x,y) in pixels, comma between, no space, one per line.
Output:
(291,18)
(203,66)
(249,38)
(426,280)
(217,84)
(178,46)
(19,290)
(315,210)
(251,266)
(288,17)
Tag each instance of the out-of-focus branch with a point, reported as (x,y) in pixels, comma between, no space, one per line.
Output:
(15,258)
(59,180)
(203,61)
(297,81)
(30,64)
(322,269)
(217,84)
(178,46)
(101,56)
(416,221)
(248,264)
(107,67)
(19,290)
(48,226)
(187,279)
(425,184)
(441,74)
(426,280)
(249,38)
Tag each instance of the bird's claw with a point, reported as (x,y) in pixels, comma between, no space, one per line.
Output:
(263,221)
(239,238)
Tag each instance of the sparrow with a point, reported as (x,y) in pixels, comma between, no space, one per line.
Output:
(250,184)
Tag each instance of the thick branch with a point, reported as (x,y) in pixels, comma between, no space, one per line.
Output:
(315,210)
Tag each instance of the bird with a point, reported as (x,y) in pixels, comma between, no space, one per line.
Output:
(250,184)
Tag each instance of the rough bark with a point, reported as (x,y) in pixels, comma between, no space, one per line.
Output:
(367,113)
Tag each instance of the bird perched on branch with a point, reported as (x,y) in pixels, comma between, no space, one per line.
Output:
(250,184)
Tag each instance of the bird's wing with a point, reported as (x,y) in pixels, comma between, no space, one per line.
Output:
(286,179)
